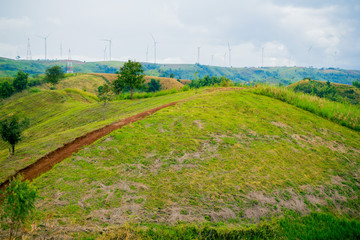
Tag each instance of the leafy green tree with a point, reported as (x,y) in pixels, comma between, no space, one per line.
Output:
(6,90)
(105,94)
(10,131)
(21,80)
(18,202)
(356,83)
(172,75)
(130,75)
(53,75)
(154,85)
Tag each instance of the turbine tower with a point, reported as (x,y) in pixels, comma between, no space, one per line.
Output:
(229,54)
(109,40)
(69,64)
(60,50)
(154,48)
(28,53)
(147,53)
(105,53)
(198,55)
(45,42)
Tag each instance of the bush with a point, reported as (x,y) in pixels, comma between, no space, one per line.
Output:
(6,90)
(21,80)
(185,88)
(18,202)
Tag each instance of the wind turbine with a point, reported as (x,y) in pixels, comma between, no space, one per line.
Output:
(308,54)
(229,54)
(45,42)
(108,40)
(105,53)
(147,53)
(60,50)
(154,47)
(198,55)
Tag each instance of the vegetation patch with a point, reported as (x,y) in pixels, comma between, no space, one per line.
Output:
(252,159)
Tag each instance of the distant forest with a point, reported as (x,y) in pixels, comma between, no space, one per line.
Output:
(272,75)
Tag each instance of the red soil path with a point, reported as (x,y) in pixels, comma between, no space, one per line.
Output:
(46,163)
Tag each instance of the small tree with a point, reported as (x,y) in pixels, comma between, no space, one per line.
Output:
(10,131)
(18,202)
(131,75)
(6,90)
(105,94)
(356,83)
(53,75)
(154,85)
(21,80)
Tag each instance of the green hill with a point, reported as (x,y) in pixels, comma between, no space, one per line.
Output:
(59,116)
(212,165)
(283,75)
(332,91)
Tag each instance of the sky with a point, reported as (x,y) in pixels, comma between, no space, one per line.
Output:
(237,33)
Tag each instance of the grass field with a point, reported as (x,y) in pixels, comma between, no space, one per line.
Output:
(214,164)
(59,116)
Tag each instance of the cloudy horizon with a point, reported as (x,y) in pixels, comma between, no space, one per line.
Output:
(267,32)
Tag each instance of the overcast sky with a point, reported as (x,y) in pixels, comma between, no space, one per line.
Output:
(319,33)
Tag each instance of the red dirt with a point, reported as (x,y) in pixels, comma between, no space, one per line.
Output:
(47,162)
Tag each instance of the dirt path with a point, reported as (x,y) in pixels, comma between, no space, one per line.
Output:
(46,163)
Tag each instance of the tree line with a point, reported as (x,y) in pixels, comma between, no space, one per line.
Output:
(22,81)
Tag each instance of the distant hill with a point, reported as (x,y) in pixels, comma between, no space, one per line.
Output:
(276,75)
(89,82)
(333,91)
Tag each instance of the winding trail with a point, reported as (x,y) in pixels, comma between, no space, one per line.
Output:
(47,162)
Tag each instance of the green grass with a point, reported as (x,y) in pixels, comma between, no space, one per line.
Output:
(230,157)
(331,91)
(57,117)
(344,114)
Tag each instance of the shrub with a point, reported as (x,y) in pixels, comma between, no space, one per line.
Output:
(18,202)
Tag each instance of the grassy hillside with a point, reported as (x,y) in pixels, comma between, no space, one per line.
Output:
(283,75)
(209,166)
(332,91)
(59,116)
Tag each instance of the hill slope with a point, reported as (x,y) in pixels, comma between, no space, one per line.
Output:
(225,157)
(57,117)
(332,91)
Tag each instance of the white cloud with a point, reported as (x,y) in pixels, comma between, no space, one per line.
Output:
(14,24)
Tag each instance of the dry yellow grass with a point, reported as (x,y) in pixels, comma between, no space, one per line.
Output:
(90,82)
(86,82)
(166,83)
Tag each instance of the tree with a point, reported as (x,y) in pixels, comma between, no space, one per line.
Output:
(105,94)
(10,131)
(172,75)
(130,75)
(21,80)
(154,85)
(18,202)
(356,83)
(54,74)
(6,90)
